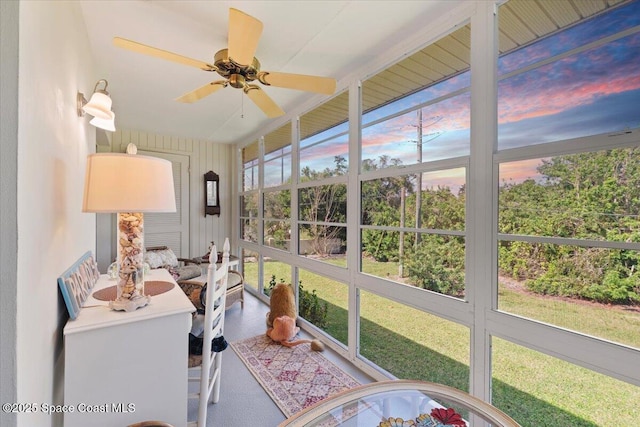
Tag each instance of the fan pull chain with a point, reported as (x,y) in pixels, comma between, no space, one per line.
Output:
(242,106)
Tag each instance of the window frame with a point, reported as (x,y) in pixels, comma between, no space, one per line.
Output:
(479,309)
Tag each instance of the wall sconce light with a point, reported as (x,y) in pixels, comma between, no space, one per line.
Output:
(99,106)
(105,124)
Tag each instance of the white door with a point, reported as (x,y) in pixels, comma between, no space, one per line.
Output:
(171,229)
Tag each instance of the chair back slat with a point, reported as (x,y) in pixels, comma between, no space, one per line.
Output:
(217,277)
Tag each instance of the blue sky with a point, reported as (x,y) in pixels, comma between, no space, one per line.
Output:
(589,93)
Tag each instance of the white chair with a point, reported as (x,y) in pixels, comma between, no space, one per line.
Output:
(210,369)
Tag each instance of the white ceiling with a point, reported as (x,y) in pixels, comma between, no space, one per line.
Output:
(326,38)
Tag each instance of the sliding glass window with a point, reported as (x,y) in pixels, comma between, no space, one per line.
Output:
(417,118)
(249,193)
(276,210)
(277,157)
(322,193)
(568,214)
(502,259)
(568,181)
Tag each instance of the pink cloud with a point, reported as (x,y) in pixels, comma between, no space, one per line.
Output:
(449,115)
(330,149)
(527,97)
(451,178)
(517,172)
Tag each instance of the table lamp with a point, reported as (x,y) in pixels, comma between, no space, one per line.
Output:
(129,185)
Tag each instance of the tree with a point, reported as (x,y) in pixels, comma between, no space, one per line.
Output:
(592,196)
(381,206)
(277,215)
(322,204)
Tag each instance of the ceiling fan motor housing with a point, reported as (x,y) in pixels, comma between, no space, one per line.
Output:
(227,68)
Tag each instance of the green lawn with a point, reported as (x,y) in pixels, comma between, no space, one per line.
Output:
(612,323)
(533,388)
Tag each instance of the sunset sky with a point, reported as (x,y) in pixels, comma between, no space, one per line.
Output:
(592,92)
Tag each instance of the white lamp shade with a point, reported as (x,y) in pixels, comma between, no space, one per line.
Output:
(117,182)
(105,124)
(99,106)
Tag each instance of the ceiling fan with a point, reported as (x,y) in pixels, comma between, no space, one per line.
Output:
(239,67)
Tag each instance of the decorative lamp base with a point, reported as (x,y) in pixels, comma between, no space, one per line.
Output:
(130,286)
(129,304)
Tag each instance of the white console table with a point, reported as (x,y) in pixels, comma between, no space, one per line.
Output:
(122,368)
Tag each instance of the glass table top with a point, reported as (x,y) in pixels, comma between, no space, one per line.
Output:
(400,403)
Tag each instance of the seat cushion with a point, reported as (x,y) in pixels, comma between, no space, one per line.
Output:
(192,289)
(161,258)
(234,279)
(188,272)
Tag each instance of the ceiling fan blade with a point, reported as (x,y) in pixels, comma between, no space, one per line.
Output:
(244,34)
(159,53)
(324,85)
(201,92)
(262,100)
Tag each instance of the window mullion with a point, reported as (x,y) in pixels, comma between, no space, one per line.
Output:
(353,215)
(481,251)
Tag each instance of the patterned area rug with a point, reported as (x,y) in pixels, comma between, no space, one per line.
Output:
(294,377)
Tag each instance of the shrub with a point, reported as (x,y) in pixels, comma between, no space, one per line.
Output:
(438,265)
(272,283)
(381,245)
(310,307)
(591,273)
(615,289)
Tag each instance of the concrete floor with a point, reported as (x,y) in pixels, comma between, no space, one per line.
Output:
(243,401)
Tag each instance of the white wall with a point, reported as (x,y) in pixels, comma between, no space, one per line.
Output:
(53,142)
(52,145)
(8,194)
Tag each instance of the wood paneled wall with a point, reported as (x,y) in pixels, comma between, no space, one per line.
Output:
(203,157)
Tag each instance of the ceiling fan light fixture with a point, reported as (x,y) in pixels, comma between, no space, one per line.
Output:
(237,81)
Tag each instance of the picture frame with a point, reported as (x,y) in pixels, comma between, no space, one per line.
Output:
(77,281)
(211,194)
